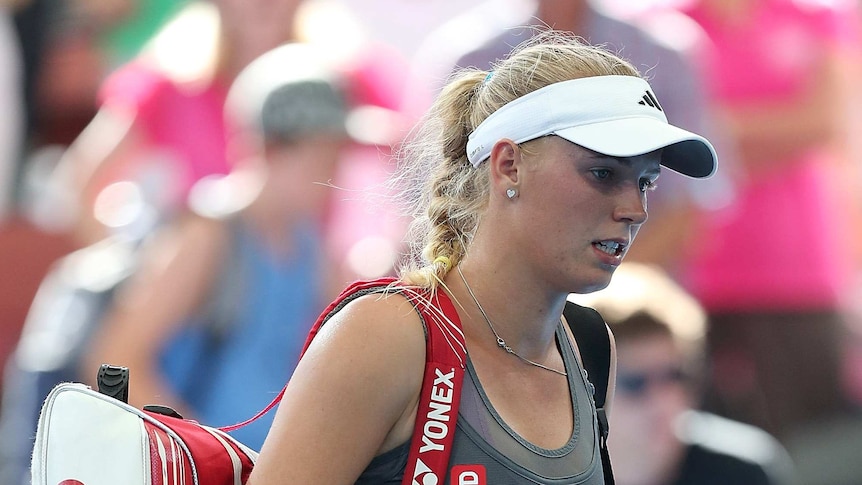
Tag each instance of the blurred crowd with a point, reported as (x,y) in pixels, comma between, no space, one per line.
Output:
(178,192)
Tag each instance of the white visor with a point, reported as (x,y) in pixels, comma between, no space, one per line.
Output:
(618,116)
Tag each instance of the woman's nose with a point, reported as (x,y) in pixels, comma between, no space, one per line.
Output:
(632,207)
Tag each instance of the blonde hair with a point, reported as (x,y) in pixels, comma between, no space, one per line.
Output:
(444,194)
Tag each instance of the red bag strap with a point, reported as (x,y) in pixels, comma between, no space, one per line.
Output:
(446,356)
(437,415)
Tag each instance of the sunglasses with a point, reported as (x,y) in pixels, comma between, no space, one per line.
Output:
(637,383)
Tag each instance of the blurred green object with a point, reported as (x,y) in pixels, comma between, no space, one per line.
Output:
(125,40)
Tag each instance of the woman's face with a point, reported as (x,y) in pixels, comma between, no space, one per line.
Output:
(580,211)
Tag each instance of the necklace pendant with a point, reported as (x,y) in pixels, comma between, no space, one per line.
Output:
(501,343)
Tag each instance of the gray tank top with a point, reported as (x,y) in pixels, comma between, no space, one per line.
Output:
(486,446)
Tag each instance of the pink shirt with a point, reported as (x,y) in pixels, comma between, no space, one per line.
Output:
(184,125)
(782,244)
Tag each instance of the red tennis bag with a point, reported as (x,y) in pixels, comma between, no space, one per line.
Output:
(89,437)
(85,437)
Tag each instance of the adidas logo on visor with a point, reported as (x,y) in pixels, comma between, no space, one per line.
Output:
(649,100)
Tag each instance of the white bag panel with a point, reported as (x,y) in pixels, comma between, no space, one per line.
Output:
(89,437)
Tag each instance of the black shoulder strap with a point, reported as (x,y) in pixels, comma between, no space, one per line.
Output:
(591,333)
(594,344)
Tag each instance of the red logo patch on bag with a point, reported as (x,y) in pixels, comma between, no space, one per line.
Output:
(70,482)
(468,475)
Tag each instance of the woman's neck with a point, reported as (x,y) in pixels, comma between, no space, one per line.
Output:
(523,315)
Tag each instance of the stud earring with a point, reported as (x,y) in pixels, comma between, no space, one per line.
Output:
(511,193)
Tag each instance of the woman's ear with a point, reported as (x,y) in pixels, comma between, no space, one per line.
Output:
(505,161)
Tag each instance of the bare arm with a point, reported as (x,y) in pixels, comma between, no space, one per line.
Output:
(174,277)
(353,396)
(111,139)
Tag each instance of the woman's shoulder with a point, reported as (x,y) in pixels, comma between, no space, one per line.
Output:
(376,337)
(378,318)
(385,302)
(391,299)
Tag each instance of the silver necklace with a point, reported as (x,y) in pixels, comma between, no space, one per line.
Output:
(500,342)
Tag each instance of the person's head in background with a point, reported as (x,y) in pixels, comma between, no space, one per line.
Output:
(287,113)
(659,330)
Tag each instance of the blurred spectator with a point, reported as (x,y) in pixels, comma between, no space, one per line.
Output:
(656,435)
(67,47)
(26,250)
(213,321)
(52,64)
(160,118)
(661,47)
(773,267)
(367,231)
(63,64)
